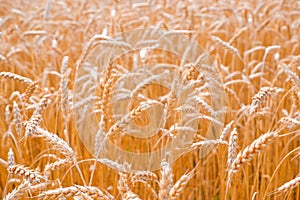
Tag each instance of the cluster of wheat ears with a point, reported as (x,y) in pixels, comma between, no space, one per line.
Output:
(254,47)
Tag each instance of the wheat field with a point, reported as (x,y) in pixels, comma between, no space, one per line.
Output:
(222,112)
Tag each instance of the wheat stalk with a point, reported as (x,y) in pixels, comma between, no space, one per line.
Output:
(3,163)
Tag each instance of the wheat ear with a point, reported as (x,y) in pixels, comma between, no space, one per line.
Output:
(166,181)
(58,143)
(261,96)
(29,90)
(289,185)
(250,151)
(34,33)
(232,147)
(8,114)
(55,165)
(10,75)
(64,85)
(17,119)
(17,191)
(76,190)
(226,131)
(179,186)
(30,175)
(144,176)
(226,45)
(130,196)
(122,123)
(10,157)
(125,183)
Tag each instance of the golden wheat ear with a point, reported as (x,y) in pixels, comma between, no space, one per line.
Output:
(250,151)
(287,186)
(16,77)
(30,175)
